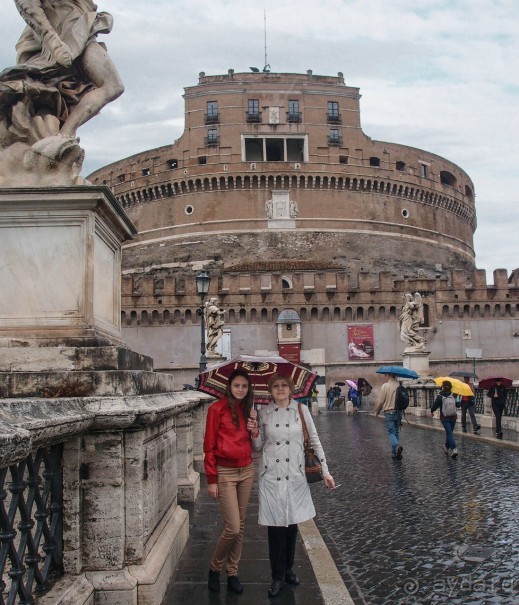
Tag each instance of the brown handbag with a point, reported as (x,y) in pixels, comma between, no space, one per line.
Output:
(313,468)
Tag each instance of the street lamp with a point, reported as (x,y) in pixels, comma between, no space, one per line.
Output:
(202,287)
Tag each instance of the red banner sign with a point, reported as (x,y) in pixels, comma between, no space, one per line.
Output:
(291,352)
(360,342)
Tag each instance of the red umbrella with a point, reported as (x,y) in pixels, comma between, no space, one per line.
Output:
(214,380)
(487,383)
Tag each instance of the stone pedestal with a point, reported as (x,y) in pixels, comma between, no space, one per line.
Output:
(60,269)
(419,362)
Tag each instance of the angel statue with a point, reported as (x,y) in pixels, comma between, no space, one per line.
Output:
(409,321)
(214,324)
(63,77)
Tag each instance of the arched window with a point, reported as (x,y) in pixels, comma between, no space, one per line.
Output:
(447,178)
(400,166)
(313,314)
(374,161)
(337,314)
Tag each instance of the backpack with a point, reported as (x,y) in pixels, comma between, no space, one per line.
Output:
(401,398)
(448,406)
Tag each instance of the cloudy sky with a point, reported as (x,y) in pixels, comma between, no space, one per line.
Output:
(441,75)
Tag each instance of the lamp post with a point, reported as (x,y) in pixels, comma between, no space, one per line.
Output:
(202,287)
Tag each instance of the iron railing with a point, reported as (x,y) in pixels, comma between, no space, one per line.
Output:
(511,405)
(31,525)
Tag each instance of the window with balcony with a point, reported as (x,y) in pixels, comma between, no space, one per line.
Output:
(334,138)
(333,116)
(212,117)
(253,112)
(293,114)
(212,137)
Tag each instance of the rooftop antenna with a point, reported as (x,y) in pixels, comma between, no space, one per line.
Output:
(266,69)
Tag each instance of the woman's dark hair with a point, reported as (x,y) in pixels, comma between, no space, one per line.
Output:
(248,400)
(447,384)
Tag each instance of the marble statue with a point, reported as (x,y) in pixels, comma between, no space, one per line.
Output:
(214,324)
(63,77)
(409,321)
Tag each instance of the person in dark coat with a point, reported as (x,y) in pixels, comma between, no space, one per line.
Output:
(497,394)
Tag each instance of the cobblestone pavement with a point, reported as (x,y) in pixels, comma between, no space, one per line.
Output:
(427,529)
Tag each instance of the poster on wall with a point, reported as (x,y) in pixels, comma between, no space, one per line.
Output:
(360,342)
(290,351)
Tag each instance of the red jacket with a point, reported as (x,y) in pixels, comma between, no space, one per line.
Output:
(225,444)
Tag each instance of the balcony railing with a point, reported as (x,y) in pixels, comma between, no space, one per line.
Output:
(31,525)
(212,141)
(294,117)
(334,141)
(212,118)
(253,117)
(334,118)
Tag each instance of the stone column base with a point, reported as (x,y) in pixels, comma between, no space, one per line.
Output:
(189,487)
(144,584)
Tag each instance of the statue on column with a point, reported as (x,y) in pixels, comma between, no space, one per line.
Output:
(63,77)
(409,321)
(213,316)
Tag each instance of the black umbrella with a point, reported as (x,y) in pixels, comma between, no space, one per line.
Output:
(340,384)
(463,374)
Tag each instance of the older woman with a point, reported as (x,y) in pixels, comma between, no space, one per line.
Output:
(284,495)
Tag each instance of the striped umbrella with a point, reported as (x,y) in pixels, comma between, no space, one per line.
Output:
(260,368)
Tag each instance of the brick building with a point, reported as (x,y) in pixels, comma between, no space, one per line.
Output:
(276,191)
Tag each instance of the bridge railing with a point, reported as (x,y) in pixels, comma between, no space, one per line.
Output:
(90,493)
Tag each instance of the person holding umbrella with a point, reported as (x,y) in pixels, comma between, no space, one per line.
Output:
(386,403)
(447,404)
(497,394)
(284,494)
(230,472)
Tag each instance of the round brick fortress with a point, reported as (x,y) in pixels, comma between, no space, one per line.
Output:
(276,166)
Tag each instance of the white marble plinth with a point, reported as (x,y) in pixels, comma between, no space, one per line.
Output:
(60,263)
(419,362)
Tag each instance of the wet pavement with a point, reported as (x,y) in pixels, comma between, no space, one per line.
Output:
(189,584)
(426,529)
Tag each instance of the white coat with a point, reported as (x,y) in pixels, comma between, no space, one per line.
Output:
(284,495)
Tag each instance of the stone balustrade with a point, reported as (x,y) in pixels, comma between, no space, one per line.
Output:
(127,464)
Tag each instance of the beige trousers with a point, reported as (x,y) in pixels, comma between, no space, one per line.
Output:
(234,490)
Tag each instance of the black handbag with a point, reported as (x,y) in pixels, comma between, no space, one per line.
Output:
(313,468)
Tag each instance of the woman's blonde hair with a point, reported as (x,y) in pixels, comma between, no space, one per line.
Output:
(280,376)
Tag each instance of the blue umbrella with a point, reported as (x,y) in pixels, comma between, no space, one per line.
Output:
(397,371)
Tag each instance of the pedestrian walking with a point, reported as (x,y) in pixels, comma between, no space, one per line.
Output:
(446,403)
(467,405)
(497,394)
(330,397)
(230,473)
(353,396)
(284,494)
(386,403)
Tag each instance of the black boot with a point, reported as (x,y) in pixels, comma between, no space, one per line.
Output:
(291,578)
(213,583)
(275,588)
(234,584)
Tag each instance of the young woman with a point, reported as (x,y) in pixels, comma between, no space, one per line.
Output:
(230,473)
(284,495)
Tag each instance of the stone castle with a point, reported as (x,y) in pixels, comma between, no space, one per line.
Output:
(276,191)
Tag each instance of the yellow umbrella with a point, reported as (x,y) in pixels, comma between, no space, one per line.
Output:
(458,387)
